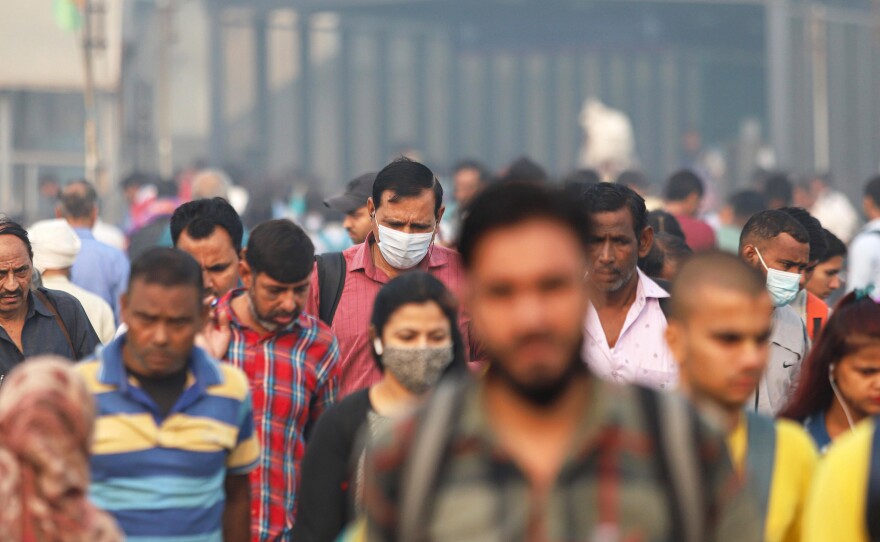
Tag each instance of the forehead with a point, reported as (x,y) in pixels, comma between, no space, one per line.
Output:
(725,309)
(172,301)
(218,243)
(618,221)
(786,247)
(265,280)
(411,315)
(13,250)
(419,205)
(552,249)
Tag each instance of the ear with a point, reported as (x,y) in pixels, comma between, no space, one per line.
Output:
(371,207)
(244,271)
(440,214)
(676,341)
(749,254)
(646,241)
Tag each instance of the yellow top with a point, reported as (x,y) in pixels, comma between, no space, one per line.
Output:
(836,505)
(793,465)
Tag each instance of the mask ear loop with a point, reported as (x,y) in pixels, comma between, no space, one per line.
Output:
(839,397)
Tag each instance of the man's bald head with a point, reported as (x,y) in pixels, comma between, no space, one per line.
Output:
(78,204)
(712,270)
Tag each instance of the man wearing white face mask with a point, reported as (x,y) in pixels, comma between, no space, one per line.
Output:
(778,246)
(406,208)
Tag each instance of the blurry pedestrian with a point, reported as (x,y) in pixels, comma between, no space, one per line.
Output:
(55,247)
(719,330)
(625,322)
(683,199)
(864,251)
(290,358)
(415,342)
(35,321)
(667,255)
(353,204)
(175,433)
(210,231)
(832,208)
(539,449)
(47,418)
(826,277)
(845,496)
(99,268)
(740,207)
(839,385)
(812,310)
(778,191)
(406,208)
(778,246)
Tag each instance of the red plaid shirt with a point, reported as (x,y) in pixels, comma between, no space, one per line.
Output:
(351,324)
(293,375)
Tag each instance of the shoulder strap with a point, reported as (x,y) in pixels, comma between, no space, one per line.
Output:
(423,463)
(331,280)
(673,432)
(47,301)
(872,512)
(760,459)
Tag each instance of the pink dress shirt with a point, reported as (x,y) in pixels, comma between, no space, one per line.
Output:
(640,355)
(351,324)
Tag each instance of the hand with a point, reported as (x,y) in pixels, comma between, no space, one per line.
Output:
(215,336)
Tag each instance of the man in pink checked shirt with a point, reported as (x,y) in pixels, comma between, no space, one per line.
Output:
(405,210)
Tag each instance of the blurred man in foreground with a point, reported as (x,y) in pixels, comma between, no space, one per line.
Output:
(539,449)
(719,330)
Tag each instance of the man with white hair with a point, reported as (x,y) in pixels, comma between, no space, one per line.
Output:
(215,183)
(56,246)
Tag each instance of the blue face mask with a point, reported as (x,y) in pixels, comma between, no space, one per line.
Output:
(783,286)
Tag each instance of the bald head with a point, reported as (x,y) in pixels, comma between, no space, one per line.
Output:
(211,183)
(712,270)
(78,204)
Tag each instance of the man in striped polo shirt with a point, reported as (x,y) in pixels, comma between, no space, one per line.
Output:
(174,437)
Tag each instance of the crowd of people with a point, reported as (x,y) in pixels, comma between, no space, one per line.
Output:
(527,360)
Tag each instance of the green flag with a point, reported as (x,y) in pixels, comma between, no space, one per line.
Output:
(67,14)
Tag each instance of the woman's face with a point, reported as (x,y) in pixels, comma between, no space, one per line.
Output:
(421,325)
(857,375)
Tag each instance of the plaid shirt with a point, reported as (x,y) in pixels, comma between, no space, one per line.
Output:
(610,488)
(351,324)
(293,375)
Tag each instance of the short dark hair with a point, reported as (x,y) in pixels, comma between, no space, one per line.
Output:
(770,224)
(632,177)
(712,268)
(78,203)
(682,184)
(610,197)
(504,205)
(10,227)
(836,247)
(525,170)
(417,287)
(663,222)
(406,178)
(746,203)
(872,189)
(818,246)
(579,181)
(282,250)
(167,267)
(778,187)
(199,218)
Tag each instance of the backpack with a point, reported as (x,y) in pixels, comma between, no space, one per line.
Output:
(671,422)
(873,501)
(331,281)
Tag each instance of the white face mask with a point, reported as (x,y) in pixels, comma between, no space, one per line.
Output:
(403,250)
(783,286)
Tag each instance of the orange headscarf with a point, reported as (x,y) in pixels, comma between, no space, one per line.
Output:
(46,421)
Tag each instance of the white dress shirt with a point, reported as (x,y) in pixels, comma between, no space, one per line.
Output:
(99,312)
(640,355)
(863,259)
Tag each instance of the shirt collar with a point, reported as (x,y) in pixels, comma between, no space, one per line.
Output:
(201,368)
(648,288)
(362,259)
(37,306)
(84,233)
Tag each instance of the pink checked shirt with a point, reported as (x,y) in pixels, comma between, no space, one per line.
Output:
(640,355)
(351,324)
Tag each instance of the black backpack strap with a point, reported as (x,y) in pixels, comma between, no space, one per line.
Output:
(872,510)
(672,428)
(331,281)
